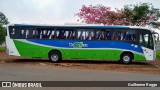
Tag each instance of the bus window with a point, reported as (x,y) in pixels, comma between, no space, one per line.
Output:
(66,33)
(30,36)
(130,35)
(27,33)
(71,34)
(122,36)
(113,36)
(40,34)
(108,35)
(146,40)
(47,34)
(57,34)
(23,33)
(44,34)
(34,34)
(37,34)
(100,35)
(91,37)
(52,36)
(81,35)
(85,35)
(12,32)
(61,34)
(117,35)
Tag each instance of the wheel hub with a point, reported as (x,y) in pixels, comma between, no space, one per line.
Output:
(126,58)
(54,57)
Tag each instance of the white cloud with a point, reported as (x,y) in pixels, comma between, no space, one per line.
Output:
(43,3)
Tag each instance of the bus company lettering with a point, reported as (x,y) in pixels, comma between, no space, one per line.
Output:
(78,45)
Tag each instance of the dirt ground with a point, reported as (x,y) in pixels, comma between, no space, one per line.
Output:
(139,67)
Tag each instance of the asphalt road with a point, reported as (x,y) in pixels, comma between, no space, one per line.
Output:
(17,72)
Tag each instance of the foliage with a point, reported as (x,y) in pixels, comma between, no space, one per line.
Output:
(2,48)
(139,14)
(2,34)
(100,14)
(158,54)
(3,19)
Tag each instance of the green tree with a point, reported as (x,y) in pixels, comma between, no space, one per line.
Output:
(3,21)
(2,34)
(140,14)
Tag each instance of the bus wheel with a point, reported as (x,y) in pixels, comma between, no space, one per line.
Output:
(55,56)
(126,58)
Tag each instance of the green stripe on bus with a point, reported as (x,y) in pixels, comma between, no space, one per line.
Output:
(36,51)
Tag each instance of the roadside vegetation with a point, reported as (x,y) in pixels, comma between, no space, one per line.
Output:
(2,48)
(158,54)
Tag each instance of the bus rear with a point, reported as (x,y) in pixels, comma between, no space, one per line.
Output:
(10,46)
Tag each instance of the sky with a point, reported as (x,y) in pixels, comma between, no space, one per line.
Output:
(55,11)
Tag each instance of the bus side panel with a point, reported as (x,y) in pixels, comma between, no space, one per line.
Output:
(92,54)
(138,57)
(30,50)
(76,53)
(107,54)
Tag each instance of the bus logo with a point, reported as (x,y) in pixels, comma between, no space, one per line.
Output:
(78,45)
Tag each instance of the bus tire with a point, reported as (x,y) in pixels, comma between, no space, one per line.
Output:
(126,58)
(55,56)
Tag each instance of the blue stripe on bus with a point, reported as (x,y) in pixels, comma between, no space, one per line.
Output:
(90,44)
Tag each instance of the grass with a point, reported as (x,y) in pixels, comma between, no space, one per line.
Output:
(158,54)
(2,48)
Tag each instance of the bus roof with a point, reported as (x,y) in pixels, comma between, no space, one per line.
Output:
(81,26)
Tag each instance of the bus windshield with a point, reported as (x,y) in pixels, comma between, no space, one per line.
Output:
(146,40)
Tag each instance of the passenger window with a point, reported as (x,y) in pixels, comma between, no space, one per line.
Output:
(44,34)
(100,35)
(52,34)
(143,41)
(122,36)
(108,35)
(130,35)
(70,34)
(30,34)
(112,35)
(146,40)
(34,34)
(12,32)
(89,35)
(85,35)
(61,34)
(81,35)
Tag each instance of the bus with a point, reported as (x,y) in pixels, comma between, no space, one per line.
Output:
(86,42)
